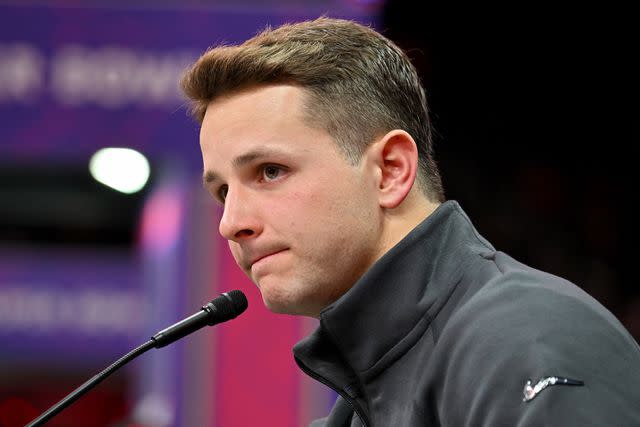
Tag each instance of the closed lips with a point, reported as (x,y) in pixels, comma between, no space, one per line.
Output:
(266,255)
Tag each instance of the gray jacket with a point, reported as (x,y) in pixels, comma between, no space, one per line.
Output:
(446,331)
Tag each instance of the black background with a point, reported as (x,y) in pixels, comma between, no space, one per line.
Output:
(534,115)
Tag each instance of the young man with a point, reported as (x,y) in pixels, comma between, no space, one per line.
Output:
(316,138)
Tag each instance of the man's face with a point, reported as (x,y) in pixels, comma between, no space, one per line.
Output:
(301,221)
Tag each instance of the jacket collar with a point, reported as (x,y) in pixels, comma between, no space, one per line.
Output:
(393,303)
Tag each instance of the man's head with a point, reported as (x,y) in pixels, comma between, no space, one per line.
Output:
(315,171)
(360,85)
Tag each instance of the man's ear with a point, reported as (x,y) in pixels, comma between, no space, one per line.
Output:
(395,155)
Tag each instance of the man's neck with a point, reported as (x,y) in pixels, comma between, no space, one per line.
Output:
(400,221)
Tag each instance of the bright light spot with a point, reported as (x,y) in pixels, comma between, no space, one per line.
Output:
(122,169)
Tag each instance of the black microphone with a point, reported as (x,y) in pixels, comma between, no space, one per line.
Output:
(227,306)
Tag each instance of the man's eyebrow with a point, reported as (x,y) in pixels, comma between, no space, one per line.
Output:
(208,177)
(243,159)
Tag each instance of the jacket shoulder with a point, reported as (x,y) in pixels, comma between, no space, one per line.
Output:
(526,325)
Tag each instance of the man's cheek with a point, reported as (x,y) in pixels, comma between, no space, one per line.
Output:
(235,251)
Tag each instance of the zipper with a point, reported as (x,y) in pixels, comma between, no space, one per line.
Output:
(351,402)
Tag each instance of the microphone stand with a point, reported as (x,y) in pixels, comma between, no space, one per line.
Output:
(225,307)
(95,380)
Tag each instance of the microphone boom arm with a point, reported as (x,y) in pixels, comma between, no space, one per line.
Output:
(227,306)
(95,380)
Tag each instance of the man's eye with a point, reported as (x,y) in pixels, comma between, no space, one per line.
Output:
(271,172)
(222,192)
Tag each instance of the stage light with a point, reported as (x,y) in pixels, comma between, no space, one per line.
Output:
(122,169)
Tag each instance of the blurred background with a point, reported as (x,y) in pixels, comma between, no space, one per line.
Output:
(100,249)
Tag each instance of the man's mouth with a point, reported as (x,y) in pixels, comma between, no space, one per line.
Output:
(264,257)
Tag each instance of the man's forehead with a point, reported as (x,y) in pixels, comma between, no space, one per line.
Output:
(252,114)
(272,97)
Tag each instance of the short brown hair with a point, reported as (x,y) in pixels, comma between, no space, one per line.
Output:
(360,84)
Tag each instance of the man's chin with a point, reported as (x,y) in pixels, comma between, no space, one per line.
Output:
(280,307)
(280,304)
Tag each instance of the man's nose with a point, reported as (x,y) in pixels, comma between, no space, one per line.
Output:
(239,219)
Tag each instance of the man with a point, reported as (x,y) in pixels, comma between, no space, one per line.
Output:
(316,139)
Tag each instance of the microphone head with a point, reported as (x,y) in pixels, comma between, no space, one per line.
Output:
(227,306)
(238,301)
